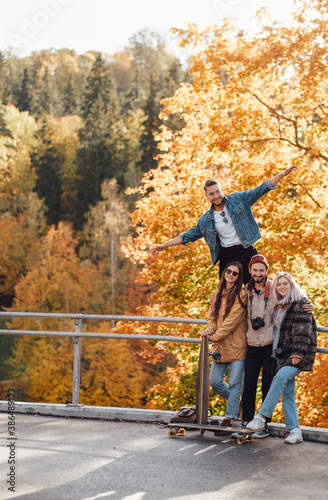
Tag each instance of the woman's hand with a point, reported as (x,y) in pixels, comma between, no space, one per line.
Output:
(308,307)
(295,361)
(205,332)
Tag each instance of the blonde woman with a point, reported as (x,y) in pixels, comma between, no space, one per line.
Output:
(294,348)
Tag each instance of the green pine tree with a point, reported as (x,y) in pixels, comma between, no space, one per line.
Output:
(151,129)
(46,162)
(70,101)
(24,98)
(97,157)
(45,101)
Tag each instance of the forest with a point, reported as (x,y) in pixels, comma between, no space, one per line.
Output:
(104,156)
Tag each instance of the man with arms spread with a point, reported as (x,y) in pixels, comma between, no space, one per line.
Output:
(228,227)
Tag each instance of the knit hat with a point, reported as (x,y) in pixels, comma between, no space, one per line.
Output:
(258,259)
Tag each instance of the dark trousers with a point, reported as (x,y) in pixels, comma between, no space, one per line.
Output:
(240,254)
(257,358)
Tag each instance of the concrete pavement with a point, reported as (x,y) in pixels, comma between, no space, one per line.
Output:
(60,458)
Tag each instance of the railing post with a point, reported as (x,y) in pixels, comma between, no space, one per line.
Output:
(77,363)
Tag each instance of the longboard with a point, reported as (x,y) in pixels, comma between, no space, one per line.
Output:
(202,385)
(246,435)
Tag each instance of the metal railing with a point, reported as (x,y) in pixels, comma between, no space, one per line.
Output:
(78,334)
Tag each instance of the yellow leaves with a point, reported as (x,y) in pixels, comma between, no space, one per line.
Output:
(16,178)
(57,282)
(252,110)
(188,35)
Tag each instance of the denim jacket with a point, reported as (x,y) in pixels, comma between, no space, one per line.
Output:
(239,207)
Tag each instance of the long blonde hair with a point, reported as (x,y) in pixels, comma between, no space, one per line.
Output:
(294,295)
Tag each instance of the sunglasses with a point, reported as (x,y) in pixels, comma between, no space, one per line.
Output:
(234,273)
(225,220)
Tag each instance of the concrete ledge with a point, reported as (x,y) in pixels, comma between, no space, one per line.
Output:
(315,434)
(83,411)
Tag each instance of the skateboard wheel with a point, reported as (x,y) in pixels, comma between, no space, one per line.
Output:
(241,440)
(250,438)
(181,432)
(172,433)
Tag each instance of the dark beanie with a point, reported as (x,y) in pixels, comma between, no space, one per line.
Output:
(258,259)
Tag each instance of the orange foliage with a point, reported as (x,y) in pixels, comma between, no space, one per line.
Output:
(257,105)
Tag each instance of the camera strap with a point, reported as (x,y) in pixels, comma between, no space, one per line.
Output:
(266,299)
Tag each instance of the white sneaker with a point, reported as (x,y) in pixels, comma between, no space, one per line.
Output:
(295,436)
(257,424)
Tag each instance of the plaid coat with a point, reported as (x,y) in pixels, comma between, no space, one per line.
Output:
(298,335)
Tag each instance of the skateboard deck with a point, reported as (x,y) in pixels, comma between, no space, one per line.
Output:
(203,384)
(246,435)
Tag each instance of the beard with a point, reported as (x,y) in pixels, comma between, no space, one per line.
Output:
(259,279)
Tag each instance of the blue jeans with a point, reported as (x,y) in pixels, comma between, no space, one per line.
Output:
(230,392)
(283,384)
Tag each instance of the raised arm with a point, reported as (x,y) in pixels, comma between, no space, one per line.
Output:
(193,234)
(167,244)
(274,181)
(253,195)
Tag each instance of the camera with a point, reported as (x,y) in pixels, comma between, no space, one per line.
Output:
(216,355)
(281,355)
(257,323)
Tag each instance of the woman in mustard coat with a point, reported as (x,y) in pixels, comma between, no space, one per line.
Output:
(226,328)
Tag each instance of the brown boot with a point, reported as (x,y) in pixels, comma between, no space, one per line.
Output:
(227,422)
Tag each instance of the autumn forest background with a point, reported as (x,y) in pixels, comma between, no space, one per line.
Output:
(103,156)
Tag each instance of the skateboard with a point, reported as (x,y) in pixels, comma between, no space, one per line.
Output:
(202,399)
(180,430)
(203,384)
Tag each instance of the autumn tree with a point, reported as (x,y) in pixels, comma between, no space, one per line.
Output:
(107,227)
(4,131)
(16,176)
(21,212)
(256,105)
(57,282)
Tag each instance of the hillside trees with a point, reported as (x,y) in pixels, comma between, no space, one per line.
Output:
(72,136)
(46,163)
(117,97)
(60,282)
